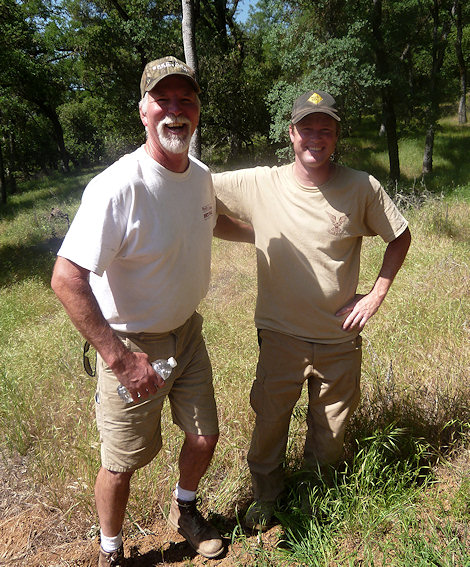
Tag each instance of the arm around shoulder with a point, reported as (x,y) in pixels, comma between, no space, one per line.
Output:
(234,230)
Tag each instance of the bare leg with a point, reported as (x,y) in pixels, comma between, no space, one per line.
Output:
(111,495)
(195,457)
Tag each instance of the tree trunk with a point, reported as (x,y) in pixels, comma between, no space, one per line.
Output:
(190,54)
(2,177)
(390,122)
(439,43)
(388,107)
(457,13)
(428,149)
(235,145)
(58,133)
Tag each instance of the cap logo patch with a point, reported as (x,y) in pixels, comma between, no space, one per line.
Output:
(315,98)
(166,65)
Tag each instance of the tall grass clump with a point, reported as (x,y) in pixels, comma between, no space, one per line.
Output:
(370,512)
(367,497)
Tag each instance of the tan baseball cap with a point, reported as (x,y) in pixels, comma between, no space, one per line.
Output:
(157,70)
(314,101)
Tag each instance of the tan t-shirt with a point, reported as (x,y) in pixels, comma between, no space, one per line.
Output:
(308,242)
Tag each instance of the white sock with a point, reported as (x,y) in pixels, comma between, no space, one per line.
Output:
(182,494)
(110,544)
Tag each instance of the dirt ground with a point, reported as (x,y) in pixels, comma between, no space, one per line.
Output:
(34,534)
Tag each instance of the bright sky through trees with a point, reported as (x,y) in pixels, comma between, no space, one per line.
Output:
(243,9)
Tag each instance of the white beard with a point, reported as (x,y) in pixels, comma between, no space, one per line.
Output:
(174,143)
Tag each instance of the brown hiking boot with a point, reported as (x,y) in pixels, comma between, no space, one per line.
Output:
(186,519)
(112,559)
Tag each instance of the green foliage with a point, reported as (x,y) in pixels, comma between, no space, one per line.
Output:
(70,72)
(34,78)
(231,116)
(80,121)
(93,132)
(309,60)
(234,80)
(113,47)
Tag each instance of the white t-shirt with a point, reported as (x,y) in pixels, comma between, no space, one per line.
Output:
(308,243)
(145,234)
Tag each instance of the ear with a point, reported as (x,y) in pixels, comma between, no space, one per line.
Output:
(143,117)
(291,132)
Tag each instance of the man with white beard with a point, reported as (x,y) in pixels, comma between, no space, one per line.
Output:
(130,273)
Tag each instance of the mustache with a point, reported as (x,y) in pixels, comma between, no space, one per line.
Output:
(173,119)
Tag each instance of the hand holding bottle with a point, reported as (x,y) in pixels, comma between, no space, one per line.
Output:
(162,367)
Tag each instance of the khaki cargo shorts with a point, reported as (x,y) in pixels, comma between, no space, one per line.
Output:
(130,434)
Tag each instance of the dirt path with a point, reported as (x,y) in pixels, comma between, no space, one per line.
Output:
(34,534)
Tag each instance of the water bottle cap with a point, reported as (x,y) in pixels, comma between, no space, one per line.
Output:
(172,362)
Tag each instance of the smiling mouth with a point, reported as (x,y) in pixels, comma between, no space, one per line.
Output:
(176,127)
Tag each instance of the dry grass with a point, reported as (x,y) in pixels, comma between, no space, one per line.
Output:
(232,343)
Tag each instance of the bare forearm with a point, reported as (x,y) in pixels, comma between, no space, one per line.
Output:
(394,257)
(363,307)
(133,369)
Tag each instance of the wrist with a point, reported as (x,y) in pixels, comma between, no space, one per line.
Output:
(380,289)
(118,357)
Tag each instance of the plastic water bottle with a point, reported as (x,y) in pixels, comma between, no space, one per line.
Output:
(164,367)
(124,394)
(161,366)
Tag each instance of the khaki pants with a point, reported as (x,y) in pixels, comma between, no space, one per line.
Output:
(285,363)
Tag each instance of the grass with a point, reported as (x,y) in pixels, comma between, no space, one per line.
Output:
(365,499)
(403,497)
(366,150)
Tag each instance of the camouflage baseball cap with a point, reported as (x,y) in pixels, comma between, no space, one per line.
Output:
(157,70)
(314,101)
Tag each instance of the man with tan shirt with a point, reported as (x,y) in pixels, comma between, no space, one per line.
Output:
(309,218)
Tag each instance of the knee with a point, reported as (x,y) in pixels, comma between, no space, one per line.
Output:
(202,443)
(210,441)
(114,479)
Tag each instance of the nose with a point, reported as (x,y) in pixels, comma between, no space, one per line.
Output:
(174,106)
(311,136)
(315,134)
